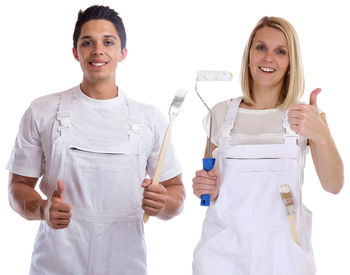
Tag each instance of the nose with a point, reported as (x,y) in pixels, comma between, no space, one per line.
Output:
(268,57)
(98,49)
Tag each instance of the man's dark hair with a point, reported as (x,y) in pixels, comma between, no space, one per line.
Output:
(99,12)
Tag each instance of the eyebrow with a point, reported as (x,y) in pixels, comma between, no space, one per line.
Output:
(279,46)
(105,36)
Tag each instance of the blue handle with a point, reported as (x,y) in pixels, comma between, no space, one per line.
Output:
(208,164)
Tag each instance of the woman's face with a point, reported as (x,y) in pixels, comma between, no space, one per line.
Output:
(269,58)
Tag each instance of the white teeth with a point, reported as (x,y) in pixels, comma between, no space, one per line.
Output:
(98,64)
(264,69)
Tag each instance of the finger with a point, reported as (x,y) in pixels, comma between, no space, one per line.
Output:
(59,226)
(294,121)
(59,190)
(297,107)
(151,211)
(204,180)
(212,193)
(152,204)
(57,215)
(213,173)
(58,205)
(296,113)
(207,187)
(156,188)
(154,196)
(146,182)
(313,96)
(205,174)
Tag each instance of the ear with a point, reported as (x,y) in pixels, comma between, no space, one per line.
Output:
(75,54)
(123,54)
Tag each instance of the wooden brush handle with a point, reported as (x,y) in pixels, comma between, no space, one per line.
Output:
(161,158)
(291,219)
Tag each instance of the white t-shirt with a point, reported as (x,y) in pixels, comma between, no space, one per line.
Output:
(91,118)
(251,126)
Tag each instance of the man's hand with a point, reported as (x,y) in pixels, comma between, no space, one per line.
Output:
(154,197)
(57,214)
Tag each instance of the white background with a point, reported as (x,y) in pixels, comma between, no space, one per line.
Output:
(168,41)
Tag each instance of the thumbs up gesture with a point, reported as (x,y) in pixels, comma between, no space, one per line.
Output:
(57,214)
(305,119)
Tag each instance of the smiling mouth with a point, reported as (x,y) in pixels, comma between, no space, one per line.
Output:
(97,64)
(266,69)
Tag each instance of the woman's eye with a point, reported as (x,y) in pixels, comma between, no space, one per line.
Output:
(281,51)
(260,47)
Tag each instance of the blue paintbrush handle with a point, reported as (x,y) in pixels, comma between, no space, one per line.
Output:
(208,164)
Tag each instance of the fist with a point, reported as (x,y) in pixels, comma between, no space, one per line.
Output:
(154,197)
(206,183)
(57,214)
(305,119)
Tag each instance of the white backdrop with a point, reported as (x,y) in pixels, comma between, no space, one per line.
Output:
(168,41)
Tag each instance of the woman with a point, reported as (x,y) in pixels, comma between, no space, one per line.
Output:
(260,143)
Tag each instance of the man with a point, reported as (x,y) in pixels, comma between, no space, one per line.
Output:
(93,147)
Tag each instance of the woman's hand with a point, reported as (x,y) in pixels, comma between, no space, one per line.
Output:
(206,183)
(305,120)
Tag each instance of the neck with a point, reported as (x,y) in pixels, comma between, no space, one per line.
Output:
(99,89)
(266,97)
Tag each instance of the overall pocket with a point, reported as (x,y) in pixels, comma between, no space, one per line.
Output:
(249,191)
(103,180)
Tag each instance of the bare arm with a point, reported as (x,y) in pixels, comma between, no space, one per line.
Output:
(28,203)
(327,161)
(164,200)
(306,120)
(24,199)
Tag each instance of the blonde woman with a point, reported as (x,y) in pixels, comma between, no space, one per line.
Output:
(260,142)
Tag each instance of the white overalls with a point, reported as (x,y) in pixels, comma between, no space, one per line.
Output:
(246,231)
(102,183)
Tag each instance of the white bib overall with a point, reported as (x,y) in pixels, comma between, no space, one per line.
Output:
(102,183)
(246,231)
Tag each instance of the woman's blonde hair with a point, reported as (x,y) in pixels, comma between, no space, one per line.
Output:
(294,83)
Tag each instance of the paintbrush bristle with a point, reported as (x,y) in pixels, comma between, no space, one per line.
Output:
(287,198)
(177,102)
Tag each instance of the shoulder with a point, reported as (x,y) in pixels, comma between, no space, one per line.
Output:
(43,109)
(48,103)
(146,111)
(219,110)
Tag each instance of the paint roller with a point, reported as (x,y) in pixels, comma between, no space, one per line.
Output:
(208,163)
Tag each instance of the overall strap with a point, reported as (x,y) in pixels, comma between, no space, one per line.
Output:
(228,123)
(135,123)
(289,135)
(62,125)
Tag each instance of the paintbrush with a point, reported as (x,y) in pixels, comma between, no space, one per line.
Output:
(287,198)
(173,112)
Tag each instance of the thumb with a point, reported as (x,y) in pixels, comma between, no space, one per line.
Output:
(313,96)
(146,182)
(60,187)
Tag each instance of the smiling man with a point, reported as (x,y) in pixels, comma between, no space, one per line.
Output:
(92,147)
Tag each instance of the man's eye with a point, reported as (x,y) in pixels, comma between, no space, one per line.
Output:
(109,43)
(86,43)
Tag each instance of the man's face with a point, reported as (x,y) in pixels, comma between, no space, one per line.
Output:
(99,50)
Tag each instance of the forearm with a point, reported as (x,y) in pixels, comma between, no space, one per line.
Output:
(25,200)
(174,202)
(328,164)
